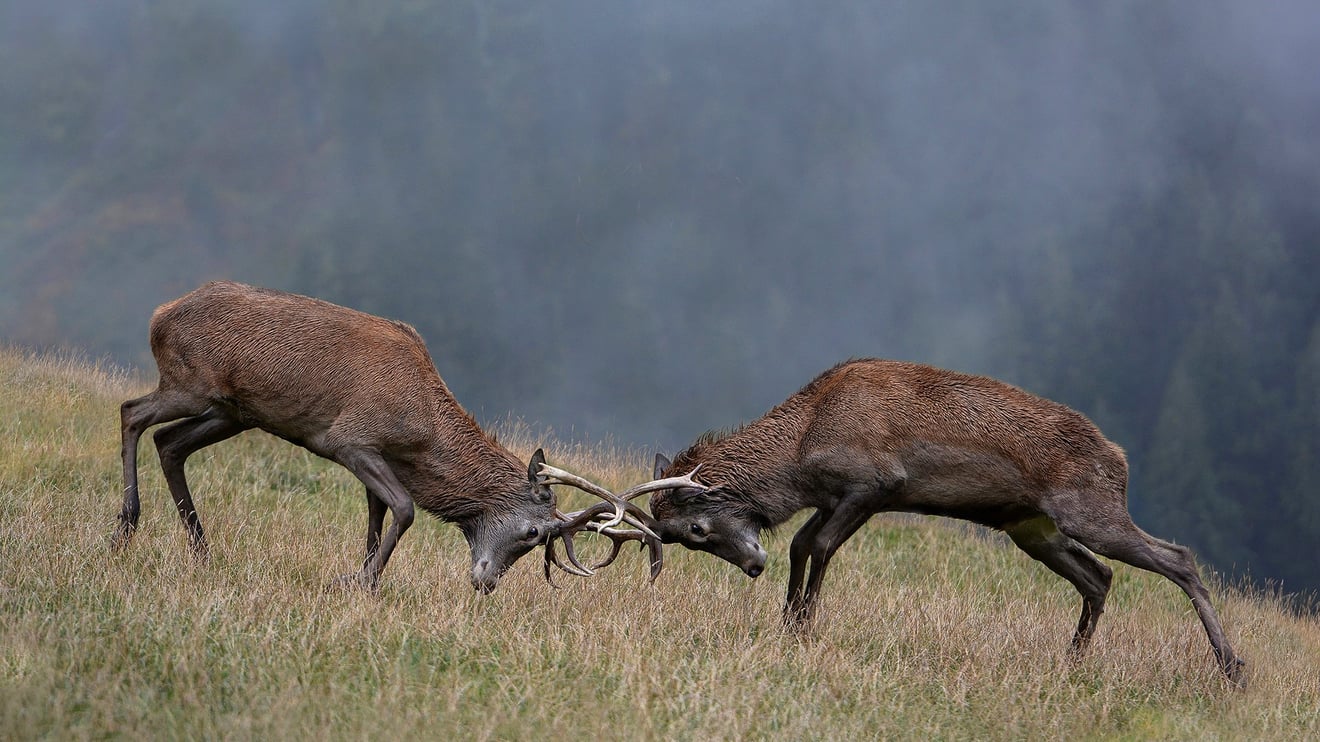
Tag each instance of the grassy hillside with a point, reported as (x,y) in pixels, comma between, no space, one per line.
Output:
(926,630)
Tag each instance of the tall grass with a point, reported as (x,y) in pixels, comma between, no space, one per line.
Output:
(926,630)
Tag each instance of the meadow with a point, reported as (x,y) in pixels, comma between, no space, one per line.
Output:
(927,629)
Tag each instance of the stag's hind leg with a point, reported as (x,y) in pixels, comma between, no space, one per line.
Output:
(135,416)
(1109,531)
(175,443)
(1041,539)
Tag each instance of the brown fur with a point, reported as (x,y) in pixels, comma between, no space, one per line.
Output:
(870,436)
(357,389)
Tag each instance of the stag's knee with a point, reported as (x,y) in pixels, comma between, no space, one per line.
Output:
(403,514)
(1102,579)
(800,547)
(126,411)
(135,415)
(1106,574)
(165,449)
(1181,563)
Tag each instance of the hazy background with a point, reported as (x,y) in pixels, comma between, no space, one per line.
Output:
(637,221)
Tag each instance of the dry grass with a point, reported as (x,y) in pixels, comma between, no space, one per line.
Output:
(926,630)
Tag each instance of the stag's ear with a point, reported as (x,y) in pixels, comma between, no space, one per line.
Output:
(687,495)
(534,474)
(540,490)
(661,464)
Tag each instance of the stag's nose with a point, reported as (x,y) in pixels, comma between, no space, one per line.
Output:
(484,578)
(756,565)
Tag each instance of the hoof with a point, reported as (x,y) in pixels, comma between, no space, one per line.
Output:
(351,583)
(798,617)
(123,535)
(1236,671)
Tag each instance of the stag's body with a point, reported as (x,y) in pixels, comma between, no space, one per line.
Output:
(354,388)
(871,436)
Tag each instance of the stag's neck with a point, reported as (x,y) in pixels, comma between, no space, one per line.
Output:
(755,466)
(462,473)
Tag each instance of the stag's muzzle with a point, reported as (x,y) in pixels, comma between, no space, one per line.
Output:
(486,576)
(755,564)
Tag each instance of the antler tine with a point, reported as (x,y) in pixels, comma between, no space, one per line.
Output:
(631,519)
(575,520)
(624,512)
(687,480)
(571,523)
(622,503)
(552,558)
(574,567)
(555,475)
(618,537)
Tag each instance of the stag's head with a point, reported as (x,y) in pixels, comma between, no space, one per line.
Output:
(701,518)
(499,538)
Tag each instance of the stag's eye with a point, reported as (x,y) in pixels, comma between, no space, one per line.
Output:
(533,533)
(697,530)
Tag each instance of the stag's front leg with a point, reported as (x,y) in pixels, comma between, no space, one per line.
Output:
(798,554)
(829,536)
(375,524)
(376,509)
(384,491)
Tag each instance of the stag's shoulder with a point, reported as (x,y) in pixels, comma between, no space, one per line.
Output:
(873,375)
(906,378)
(221,296)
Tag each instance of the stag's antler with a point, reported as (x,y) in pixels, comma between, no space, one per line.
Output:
(623,511)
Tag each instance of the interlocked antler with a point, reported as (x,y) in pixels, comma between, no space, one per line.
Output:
(620,509)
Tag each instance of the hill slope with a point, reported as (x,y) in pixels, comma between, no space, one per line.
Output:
(926,630)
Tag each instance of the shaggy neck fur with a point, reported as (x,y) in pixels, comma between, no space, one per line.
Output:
(465,474)
(752,469)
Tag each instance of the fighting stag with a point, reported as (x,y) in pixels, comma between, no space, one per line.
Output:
(356,389)
(870,436)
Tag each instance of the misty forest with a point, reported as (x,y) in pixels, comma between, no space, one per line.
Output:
(638,221)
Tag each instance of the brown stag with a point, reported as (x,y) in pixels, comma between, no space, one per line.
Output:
(357,389)
(870,436)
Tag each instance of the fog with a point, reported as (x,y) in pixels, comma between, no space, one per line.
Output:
(637,221)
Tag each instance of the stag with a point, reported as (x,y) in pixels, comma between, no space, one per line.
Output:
(871,436)
(356,389)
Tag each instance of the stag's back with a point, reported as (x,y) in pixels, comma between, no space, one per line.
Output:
(286,362)
(894,406)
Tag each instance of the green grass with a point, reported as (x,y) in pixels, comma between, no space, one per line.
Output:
(926,630)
